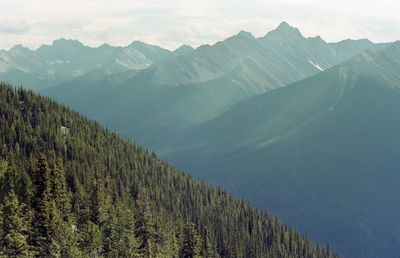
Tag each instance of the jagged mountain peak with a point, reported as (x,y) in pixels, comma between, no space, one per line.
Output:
(355,40)
(246,34)
(286,29)
(64,43)
(184,49)
(242,36)
(137,44)
(184,46)
(105,45)
(283,26)
(19,48)
(61,41)
(61,44)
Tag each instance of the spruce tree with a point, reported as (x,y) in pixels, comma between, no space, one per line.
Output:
(62,228)
(191,242)
(8,179)
(14,232)
(207,249)
(91,240)
(92,233)
(77,214)
(59,193)
(119,233)
(145,227)
(45,215)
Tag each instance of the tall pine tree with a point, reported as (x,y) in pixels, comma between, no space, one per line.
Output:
(45,215)
(145,226)
(191,242)
(14,230)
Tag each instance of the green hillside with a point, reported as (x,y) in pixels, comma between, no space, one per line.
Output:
(69,188)
(322,153)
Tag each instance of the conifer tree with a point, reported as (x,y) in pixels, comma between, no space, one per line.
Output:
(59,193)
(119,233)
(191,242)
(62,227)
(91,241)
(98,201)
(45,215)
(207,248)
(133,208)
(92,235)
(14,230)
(8,179)
(145,226)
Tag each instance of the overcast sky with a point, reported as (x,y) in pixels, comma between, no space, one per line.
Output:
(170,23)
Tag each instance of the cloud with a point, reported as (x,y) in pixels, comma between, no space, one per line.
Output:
(14,27)
(339,19)
(170,23)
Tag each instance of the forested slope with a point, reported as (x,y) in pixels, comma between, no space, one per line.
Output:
(69,188)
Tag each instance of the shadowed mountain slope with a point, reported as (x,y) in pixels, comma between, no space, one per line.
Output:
(323,153)
(198,86)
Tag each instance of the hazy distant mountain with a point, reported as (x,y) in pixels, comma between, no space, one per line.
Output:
(314,151)
(68,59)
(349,47)
(283,55)
(197,86)
(323,153)
(183,50)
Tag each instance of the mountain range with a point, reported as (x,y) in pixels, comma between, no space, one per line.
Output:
(190,89)
(68,59)
(326,148)
(305,128)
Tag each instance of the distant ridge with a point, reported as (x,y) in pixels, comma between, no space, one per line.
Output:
(197,86)
(67,59)
(305,127)
(322,153)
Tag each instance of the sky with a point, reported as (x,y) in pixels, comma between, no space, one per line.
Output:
(171,23)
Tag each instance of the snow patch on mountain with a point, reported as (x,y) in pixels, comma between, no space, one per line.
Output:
(315,65)
(59,62)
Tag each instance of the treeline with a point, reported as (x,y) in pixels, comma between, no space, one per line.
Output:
(69,188)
